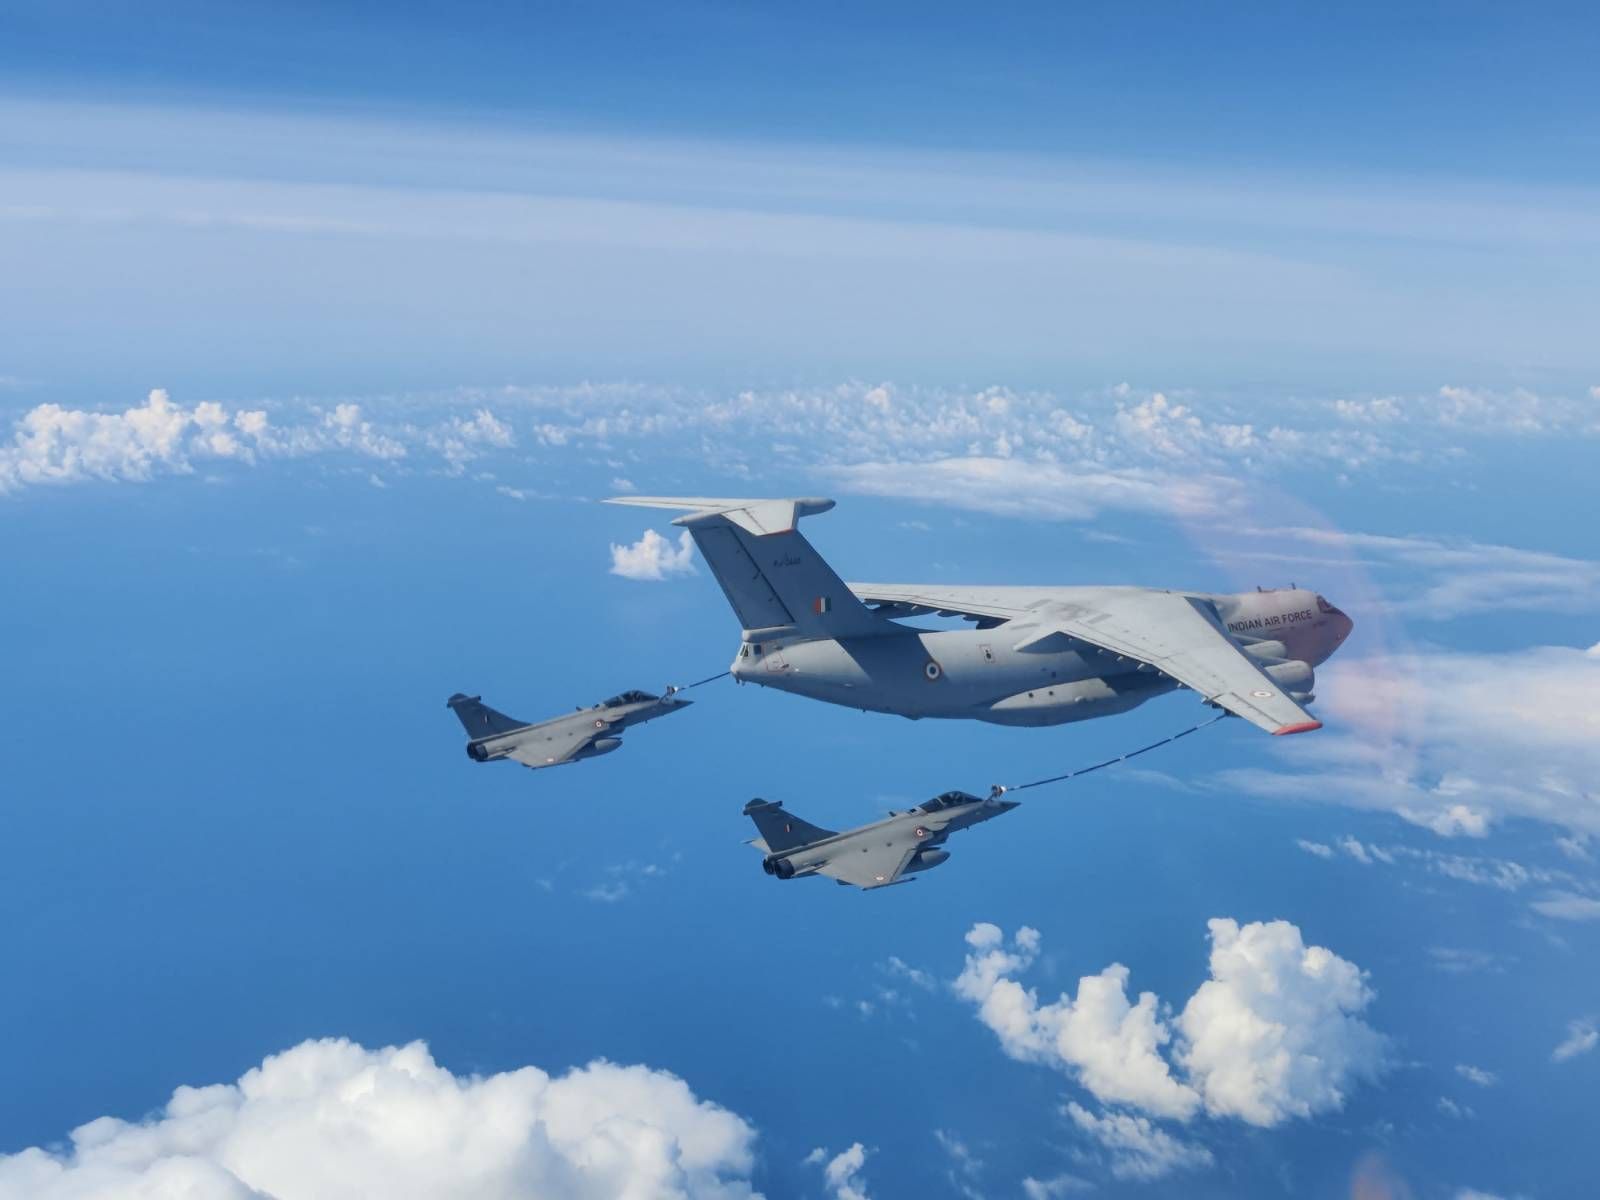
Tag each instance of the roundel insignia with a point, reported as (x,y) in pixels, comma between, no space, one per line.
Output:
(599,724)
(932,670)
(1262,694)
(920,831)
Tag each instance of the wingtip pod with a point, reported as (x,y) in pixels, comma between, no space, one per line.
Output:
(1302,727)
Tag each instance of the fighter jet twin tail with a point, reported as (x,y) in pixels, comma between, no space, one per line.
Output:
(1034,656)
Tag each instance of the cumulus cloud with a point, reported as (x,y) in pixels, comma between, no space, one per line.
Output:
(331,1118)
(59,445)
(1476,1075)
(55,445)
(1454,742)
(1274,1033)
(1582,1037)
(1112,1045)
(653,557)
(842,1172)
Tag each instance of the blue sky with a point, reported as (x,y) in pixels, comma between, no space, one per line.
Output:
(321,333)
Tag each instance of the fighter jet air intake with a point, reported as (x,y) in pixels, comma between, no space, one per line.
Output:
(1034,655)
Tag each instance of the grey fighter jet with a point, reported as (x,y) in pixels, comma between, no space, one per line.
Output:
(1035,655)
(587,733)
(871,856)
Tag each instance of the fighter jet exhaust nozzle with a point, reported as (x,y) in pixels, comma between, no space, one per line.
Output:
(477,752)
(782,868)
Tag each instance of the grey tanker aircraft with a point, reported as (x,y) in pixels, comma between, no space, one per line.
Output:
(586,733)
(871,856)
(1035,655)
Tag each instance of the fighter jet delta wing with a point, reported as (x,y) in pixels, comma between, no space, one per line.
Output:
(1175,633)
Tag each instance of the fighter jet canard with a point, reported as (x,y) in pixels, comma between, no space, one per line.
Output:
(587,733)
(871,856)
(1035,655)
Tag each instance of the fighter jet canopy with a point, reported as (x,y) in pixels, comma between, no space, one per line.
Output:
(634,697)
(947,800)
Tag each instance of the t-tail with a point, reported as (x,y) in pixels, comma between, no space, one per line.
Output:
(782,831)
(777,584)
(479,720)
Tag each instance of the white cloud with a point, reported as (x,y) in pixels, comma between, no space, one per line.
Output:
(966,1168)
(1565,906)
(1454,742)
(1274,1033)
(842,1172)
(55,445)
(1112,1046)
(1136,1147)
(653,557)
(1017,487)
(1462,576)
(898,967)
(1320,849)
(1476,1075)
(1582,1037)
(331,1118)
(1055,1187)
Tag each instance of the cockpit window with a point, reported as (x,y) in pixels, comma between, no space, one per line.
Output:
(634,697)
(947,800)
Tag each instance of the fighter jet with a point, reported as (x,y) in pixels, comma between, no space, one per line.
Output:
(874,855)
(587,733)
(1035,655)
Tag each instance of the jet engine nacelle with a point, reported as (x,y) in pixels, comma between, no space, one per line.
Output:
(925,859)
(1267,651)
(782,868)
(1292,676)
(598,747)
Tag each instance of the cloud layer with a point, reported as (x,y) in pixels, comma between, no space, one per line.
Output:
(331,1118)
(1455,741)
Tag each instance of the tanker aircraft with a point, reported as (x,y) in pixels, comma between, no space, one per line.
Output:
(587,733)
(1035,655)
(871,856)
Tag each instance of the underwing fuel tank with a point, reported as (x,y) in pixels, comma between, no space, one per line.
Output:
(926,859)
(598,747)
